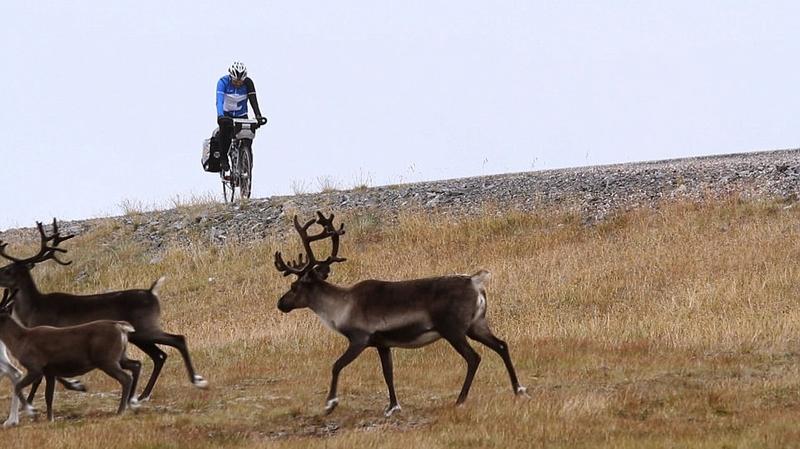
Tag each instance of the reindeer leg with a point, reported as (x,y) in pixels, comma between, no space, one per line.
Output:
(353,351)
(26,380)
(159,357)
(135,367)
(480,332)
(386,363)
(32,393)
(14,375)
(69,384)
(459,343)
(49,389)
(72,384)
(115,370)
(179,342)
(13,415)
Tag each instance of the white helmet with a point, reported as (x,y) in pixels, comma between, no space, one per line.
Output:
(238,71)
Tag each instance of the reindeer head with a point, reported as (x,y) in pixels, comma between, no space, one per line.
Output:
(11,273)
(310,272)
(7,303)
(6,307)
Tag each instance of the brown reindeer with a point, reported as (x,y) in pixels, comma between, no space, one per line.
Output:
(140,308)
(383,314)
(46,351)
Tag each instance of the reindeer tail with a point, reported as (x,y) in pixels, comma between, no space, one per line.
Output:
(480,278)
(154,289)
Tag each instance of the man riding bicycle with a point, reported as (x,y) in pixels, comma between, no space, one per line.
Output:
(233,91)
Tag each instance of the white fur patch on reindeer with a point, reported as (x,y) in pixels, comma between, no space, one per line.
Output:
(480,308)
(333,317)
(478,280)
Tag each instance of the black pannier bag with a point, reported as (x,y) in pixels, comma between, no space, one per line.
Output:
(211,155)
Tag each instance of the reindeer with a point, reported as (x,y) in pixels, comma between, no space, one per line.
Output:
(47,352)
(8,369)
(141,308)
(384,315)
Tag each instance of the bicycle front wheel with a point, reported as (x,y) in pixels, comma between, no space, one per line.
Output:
(245,172)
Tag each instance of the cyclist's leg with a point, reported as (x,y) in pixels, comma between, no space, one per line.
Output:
(224,138)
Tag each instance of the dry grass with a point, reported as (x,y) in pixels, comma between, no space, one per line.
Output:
(669,328)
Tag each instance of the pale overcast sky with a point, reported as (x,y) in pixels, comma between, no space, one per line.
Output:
(108,102)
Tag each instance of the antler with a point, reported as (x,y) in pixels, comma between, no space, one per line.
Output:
(330,229)
(303,265)
(46,252)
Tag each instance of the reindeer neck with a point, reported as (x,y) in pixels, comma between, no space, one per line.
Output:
(328,298)
(26,285)
(27,296)
(11,332)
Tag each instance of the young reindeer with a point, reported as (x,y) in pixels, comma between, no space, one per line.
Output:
(47,352)
(8,369)
(383,314)
(140,308)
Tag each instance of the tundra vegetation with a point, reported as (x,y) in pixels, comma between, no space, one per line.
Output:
(668,327)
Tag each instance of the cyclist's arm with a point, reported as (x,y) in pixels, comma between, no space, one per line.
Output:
(220,96)
(251,95)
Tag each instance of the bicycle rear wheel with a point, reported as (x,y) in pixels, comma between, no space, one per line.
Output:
(227,188)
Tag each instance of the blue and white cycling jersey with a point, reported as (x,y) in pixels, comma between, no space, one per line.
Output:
(232,100)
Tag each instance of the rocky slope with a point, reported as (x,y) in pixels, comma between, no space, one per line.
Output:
(594,192)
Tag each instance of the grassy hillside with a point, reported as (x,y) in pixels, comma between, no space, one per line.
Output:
(670,328)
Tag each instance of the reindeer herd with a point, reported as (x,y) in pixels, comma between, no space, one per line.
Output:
(58,335)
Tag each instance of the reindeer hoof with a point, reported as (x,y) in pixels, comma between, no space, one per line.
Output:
(391,409)
(134,403)
(199,382)
(331,404)
(10,422)
(522,391)
(29,410)
(75,385)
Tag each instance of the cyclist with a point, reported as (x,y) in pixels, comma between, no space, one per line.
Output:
(233,92)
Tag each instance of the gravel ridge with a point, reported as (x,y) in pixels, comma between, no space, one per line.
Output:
(594,192)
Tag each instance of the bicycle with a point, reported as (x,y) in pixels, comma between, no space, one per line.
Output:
(240,153)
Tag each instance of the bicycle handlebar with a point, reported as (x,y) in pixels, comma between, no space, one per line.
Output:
(249,121)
